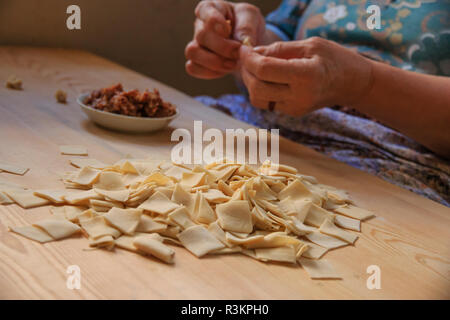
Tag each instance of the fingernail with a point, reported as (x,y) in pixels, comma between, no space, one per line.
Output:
(229,64)
(218,28)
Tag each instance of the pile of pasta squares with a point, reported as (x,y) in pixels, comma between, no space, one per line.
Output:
(270,213)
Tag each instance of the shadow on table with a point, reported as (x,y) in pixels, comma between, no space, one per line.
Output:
(157,138)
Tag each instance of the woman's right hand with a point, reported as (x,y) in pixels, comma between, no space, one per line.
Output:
(219,29)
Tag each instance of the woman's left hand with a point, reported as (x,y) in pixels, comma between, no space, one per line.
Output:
(301,76)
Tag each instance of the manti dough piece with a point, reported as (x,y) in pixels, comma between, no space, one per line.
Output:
(55,196)
(224,173)
(73,212)
(58,228)
(26,198)
(215,196)
(87,176)
(263,191)
(33,233)
(13,169)
(82,196)
(126,220)
(73,150)
(171,232)
(176,172)
(4,199)
(227,250)
(217,231)
(301,249)
(159,179)
(106,204)
(235,216)
(111,185)
(96,227)
(314,251)
(281,254)
(128,167)
(109,180)
(126,242)
(355,212)
(250,242)
(328,227)
(85,215)
(102,242)
(297,191)
(297,208)
(319,269)
(83,162)
(199,241)
(154,248)
(167,191)
(159,203)
(347,223)
(275,239)
(181,217)
(147,224)
(325,241)
(316,216)
(116,195)
(185,198)
(192,179)
(225,188)
(299,228)
(58,212)
(203,213)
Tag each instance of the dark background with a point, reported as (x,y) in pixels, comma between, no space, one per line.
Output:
(148,36)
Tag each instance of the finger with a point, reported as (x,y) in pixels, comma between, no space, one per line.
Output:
(201,72)
(267,68)
(214,14)
(286,50)
(207,59)
(266,91)
(226,48)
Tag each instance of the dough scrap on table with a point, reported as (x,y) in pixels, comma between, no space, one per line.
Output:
(73,150)
(13,169)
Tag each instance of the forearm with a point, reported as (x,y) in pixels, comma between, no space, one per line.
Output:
(415,104)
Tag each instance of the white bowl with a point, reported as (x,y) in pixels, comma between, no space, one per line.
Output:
(121,122)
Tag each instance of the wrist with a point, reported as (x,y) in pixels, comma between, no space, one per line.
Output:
(360,85)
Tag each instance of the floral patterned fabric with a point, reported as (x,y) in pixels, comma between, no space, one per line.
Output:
(414,35)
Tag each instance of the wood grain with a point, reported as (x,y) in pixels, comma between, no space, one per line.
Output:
(409,239)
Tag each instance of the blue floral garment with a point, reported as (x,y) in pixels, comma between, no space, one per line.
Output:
(414,35)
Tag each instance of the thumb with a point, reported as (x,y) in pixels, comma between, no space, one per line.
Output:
(282,50)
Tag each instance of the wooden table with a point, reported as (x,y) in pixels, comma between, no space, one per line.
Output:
(409,239)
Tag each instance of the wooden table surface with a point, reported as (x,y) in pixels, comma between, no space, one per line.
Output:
(409,239)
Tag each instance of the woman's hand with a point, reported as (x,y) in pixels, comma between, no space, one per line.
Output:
(214,51)
(301,76)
